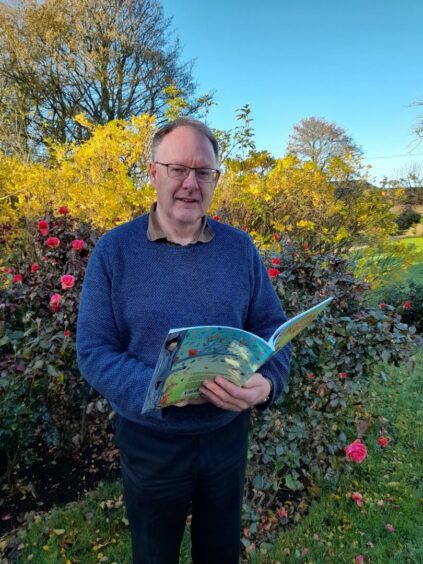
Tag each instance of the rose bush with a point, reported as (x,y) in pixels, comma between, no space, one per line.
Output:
(292,445)
(301,440)
(43,399)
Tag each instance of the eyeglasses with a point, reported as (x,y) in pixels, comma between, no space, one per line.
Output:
(181,172)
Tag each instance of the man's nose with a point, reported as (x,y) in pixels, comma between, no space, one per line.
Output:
(191,180)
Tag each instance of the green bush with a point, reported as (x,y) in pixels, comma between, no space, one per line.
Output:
(302,439)
(408,299)
(43,399)
(292,445)
(407,218)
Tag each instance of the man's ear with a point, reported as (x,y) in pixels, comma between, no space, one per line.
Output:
(152,172)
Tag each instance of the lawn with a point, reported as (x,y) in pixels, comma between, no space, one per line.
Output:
(386,529)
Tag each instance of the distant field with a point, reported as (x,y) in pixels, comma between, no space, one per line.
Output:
(418,241)
(415,272)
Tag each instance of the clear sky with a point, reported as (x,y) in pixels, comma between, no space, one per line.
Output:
(355,62)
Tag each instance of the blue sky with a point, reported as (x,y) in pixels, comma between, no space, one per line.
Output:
(355,62)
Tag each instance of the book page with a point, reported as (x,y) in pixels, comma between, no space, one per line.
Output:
(293,326)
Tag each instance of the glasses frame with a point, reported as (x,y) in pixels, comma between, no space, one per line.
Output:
(216,172)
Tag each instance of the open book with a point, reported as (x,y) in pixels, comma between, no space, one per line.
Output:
(193,354)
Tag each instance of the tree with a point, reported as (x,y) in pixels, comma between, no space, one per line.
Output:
(315,139)
(107,59)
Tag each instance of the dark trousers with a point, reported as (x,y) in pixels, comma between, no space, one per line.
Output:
(166,474)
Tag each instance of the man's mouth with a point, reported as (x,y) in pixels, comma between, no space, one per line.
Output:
(187,200)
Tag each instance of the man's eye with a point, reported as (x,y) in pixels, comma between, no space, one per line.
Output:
(203,173)
(178,169)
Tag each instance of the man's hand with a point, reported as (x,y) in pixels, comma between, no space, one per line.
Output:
(226,395)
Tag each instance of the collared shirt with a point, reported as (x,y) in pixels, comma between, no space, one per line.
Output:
(156,233)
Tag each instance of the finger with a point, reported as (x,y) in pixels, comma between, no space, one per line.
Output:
(182,403)
(221,398)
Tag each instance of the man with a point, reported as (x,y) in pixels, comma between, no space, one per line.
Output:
(176,268)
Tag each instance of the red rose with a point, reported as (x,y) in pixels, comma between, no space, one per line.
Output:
(66,333)
(358,498)
(192,352)
(383,441)
(382,306)
(63,210)
(356,451)
(244,228)
(216,217)
(276,261)
(407,304)
(34,267)
(55,302)
(277,236)
(310,375)
(53,242)
(273,272)
(77,244)
(282,512)
(67,281)
(343,374)
(43,227)
(17,278)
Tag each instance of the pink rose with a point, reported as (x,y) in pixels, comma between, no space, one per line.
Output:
(343,374)
(43,227)
(63,210)
(66,333)
(282,512)
(34,267)
(53,242)
(55,302)
(17,278)
(356,451)
(383,441)
(359,559)
(67,281)
(358,498)
(77,244)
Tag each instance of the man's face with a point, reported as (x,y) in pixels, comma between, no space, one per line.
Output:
(183,202)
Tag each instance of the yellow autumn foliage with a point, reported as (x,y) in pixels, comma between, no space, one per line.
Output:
(102,180)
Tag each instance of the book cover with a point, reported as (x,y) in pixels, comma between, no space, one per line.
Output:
(193,354)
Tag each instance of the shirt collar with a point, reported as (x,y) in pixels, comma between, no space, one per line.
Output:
(156,233)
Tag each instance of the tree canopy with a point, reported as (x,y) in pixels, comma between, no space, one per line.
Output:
(319,141)
(107,59)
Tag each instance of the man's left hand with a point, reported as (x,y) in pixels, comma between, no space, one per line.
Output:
(226,395)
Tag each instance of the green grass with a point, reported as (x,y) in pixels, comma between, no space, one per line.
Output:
(335,529)
(415,272)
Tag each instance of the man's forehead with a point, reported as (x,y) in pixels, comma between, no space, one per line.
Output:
(185,138)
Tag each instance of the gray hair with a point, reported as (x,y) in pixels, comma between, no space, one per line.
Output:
(184,122)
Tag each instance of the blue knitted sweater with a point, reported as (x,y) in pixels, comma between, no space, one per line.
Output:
(135,290)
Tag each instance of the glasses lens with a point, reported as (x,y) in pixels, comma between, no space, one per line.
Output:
(177,171)
(204,174)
